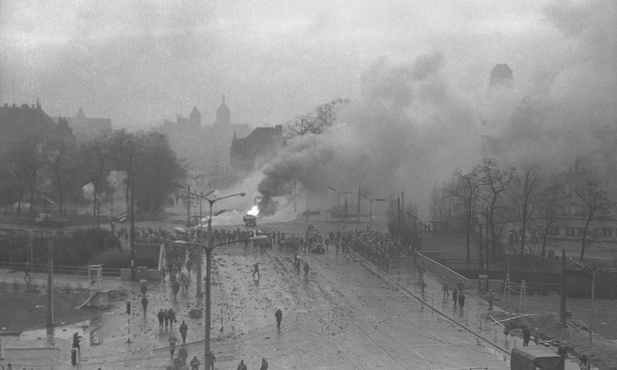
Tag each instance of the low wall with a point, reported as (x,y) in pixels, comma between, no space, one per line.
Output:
(453,277)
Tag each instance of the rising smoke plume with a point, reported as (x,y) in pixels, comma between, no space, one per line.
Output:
(410,128)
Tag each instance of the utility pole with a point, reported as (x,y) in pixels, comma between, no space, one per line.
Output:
(399,218)
(358,218)
(50,283)
(480,254)
(132,213)
(562,307)
(188,205)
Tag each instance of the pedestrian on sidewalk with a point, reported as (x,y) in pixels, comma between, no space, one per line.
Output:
(183,330)
(177,363)
(461,300)
(166,319)
(490,300)
(172,318)
(241,366)
(526,336)
(183,354)
(212,361)
(536,336)
(27,271)
(172,345)
(446,290)
(195,363)
(279,317)
(306,271)
(264,364)
(256,270)
(144,304)
(161,317)
(455,295)
(175,287)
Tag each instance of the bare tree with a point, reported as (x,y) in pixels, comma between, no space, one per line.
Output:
(62,166)
(593,204)
(318,120)
(527,200)
(466,187)
(551,205)
(497,181)
(28,160)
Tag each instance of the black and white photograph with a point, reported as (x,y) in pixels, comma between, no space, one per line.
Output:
(235,185)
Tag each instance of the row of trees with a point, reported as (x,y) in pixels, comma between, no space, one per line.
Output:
(40,170)
(525,196)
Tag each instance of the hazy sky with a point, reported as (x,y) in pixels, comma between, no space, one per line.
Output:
(140,61)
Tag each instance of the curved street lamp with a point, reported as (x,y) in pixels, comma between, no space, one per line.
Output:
(208,249)
(370,207)
(593,289)
(198,292)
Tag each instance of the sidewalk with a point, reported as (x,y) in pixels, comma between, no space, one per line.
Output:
(470,318)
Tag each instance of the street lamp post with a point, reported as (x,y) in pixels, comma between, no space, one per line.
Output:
(370,208)
(208,249)
(593,291)
(198,292)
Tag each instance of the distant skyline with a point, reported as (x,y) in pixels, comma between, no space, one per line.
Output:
(139,62)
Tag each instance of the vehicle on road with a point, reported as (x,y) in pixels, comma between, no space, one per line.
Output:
(314,240)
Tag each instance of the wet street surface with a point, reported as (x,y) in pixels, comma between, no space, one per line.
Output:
(344,316)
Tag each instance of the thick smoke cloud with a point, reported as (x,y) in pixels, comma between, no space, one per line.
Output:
(404,132)
(565,116)
(411,127)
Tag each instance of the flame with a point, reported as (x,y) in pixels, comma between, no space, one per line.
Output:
(254,211)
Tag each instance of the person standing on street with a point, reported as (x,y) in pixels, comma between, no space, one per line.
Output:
(490,300)
(166,319)
(144,304)
(175,287)
(279,317)
(161,317)
(446,292)
(536,336)
(455,295)
(241,366)
(264,364)
(172,318)
(183,330)
(461,300)
(256,270)
(172,345)
(195,363)
(306,271)
(183,354)
(526,336)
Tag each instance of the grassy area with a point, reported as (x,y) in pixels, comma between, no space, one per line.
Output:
(543,311)
(21,311)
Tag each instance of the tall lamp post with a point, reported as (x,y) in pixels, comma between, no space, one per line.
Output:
(199,259)
(370,208)
(593,289)
(208,249)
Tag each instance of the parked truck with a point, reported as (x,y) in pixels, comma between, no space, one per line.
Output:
(535,357)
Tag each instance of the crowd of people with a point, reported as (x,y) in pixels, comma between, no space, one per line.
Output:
(377,247)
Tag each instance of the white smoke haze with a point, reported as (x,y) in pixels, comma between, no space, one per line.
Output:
(560,118)
(405,131)
(410,127)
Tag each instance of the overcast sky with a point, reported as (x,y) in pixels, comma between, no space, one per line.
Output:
(141,61)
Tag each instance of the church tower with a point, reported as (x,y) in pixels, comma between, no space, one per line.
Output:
(223,115)
(195,118)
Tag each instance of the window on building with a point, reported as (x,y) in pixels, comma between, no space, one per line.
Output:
(607,231)
(579,231)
